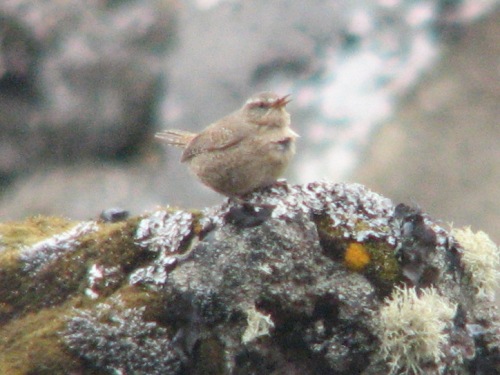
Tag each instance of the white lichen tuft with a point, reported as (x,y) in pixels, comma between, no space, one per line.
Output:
(258,325)
(481,259)
(413,329)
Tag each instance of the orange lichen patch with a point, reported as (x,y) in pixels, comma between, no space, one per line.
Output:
(356,256)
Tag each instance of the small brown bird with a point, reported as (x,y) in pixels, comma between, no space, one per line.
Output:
(244,151)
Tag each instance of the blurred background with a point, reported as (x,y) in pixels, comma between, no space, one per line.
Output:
(400,95)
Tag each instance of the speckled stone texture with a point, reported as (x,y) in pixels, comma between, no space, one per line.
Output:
(296,279)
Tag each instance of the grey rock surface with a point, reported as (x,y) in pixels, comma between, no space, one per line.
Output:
(301,279)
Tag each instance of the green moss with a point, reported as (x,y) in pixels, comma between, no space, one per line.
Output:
(330,237)
(13,237)
(136,296)
(383,268)
(325,225)
(11,282)
(383,263)
(112,245)
(30,345)
(197,216)
(53,291)
(362,225)
(16,234)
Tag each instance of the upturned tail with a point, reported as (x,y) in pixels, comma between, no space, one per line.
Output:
(178,138)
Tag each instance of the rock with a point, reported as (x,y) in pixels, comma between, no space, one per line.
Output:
(300,279)
(443,143)
(78,80)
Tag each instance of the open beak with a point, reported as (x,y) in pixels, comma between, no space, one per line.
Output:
(293,134)
(281,102)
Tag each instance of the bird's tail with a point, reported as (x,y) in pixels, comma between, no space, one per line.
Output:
(177,138)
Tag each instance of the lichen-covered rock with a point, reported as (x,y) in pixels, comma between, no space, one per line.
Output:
(121,341)
(296,279)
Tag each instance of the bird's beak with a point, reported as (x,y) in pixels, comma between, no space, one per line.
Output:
(281,102)
(293,134)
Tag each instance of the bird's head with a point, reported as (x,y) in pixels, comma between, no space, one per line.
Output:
(267,109)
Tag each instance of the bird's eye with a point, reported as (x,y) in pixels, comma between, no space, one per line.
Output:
(262,105)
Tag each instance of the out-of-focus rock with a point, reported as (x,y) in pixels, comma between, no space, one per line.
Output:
(441,150)
(78,80)
(86,190)
(300,279)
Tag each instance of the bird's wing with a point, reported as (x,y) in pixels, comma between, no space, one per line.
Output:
(217,137)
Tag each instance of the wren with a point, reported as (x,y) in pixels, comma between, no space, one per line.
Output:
(243,151)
